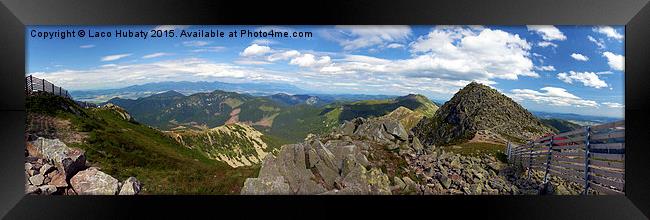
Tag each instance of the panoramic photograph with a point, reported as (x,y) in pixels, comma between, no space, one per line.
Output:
(325,110)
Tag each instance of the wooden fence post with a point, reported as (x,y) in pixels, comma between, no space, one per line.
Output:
(508,150)
(530,158)
(548,161)
(587,155)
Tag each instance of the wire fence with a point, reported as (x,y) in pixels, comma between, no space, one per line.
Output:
(34,84)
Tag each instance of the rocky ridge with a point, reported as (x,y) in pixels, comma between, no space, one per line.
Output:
(236,144)
(52,168)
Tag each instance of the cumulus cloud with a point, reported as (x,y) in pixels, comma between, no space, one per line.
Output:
(358,37)
(613,105)
(547,32)
(255,50)
(546,44)
(579,57)
(545,68)
(115,57)
(309,60)
(599,42)
(609,32)
(615,61)
(154,55)
(589,79)
(285,55)
(87,46)
(551,96)
(456,52)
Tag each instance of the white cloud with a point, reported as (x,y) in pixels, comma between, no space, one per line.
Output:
(87,46)
(357,37)
(613,105)
(255,50)
(395,45)
(154,55)
(195,43)
(115,57)
(599,42)
(545,68)
(551,96)
(546,44)
(455,52)
(170,27)
(548,32)
(309,60)
(615,61)
(609,32)
(589,79)
(579,57)
(285,55)
(193,69)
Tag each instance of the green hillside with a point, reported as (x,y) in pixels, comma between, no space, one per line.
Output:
(560,125)
(375,108)
(285,118)
(124,148)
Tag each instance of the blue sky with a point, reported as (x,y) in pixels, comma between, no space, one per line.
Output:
(569,69)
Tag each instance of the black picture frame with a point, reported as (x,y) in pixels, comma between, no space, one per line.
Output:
(16,14)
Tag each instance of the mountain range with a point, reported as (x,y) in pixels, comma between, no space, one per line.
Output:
(288,117)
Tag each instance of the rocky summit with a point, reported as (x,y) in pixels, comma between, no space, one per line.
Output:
(52,168)
(478,107)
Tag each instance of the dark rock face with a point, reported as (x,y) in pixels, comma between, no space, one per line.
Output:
(478,107)
(52,168)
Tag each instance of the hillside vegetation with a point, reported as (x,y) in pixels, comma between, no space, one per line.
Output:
(123,148)
(287,118)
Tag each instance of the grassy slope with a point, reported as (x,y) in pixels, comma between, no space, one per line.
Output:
(124,149)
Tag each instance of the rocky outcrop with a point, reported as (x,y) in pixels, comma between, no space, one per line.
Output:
(52,168)
(478,107)
(119,111)
(343,162)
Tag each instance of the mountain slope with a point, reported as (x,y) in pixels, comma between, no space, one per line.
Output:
(478,107)
(560,125)
(122,147)
(235,144)
(375,108)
